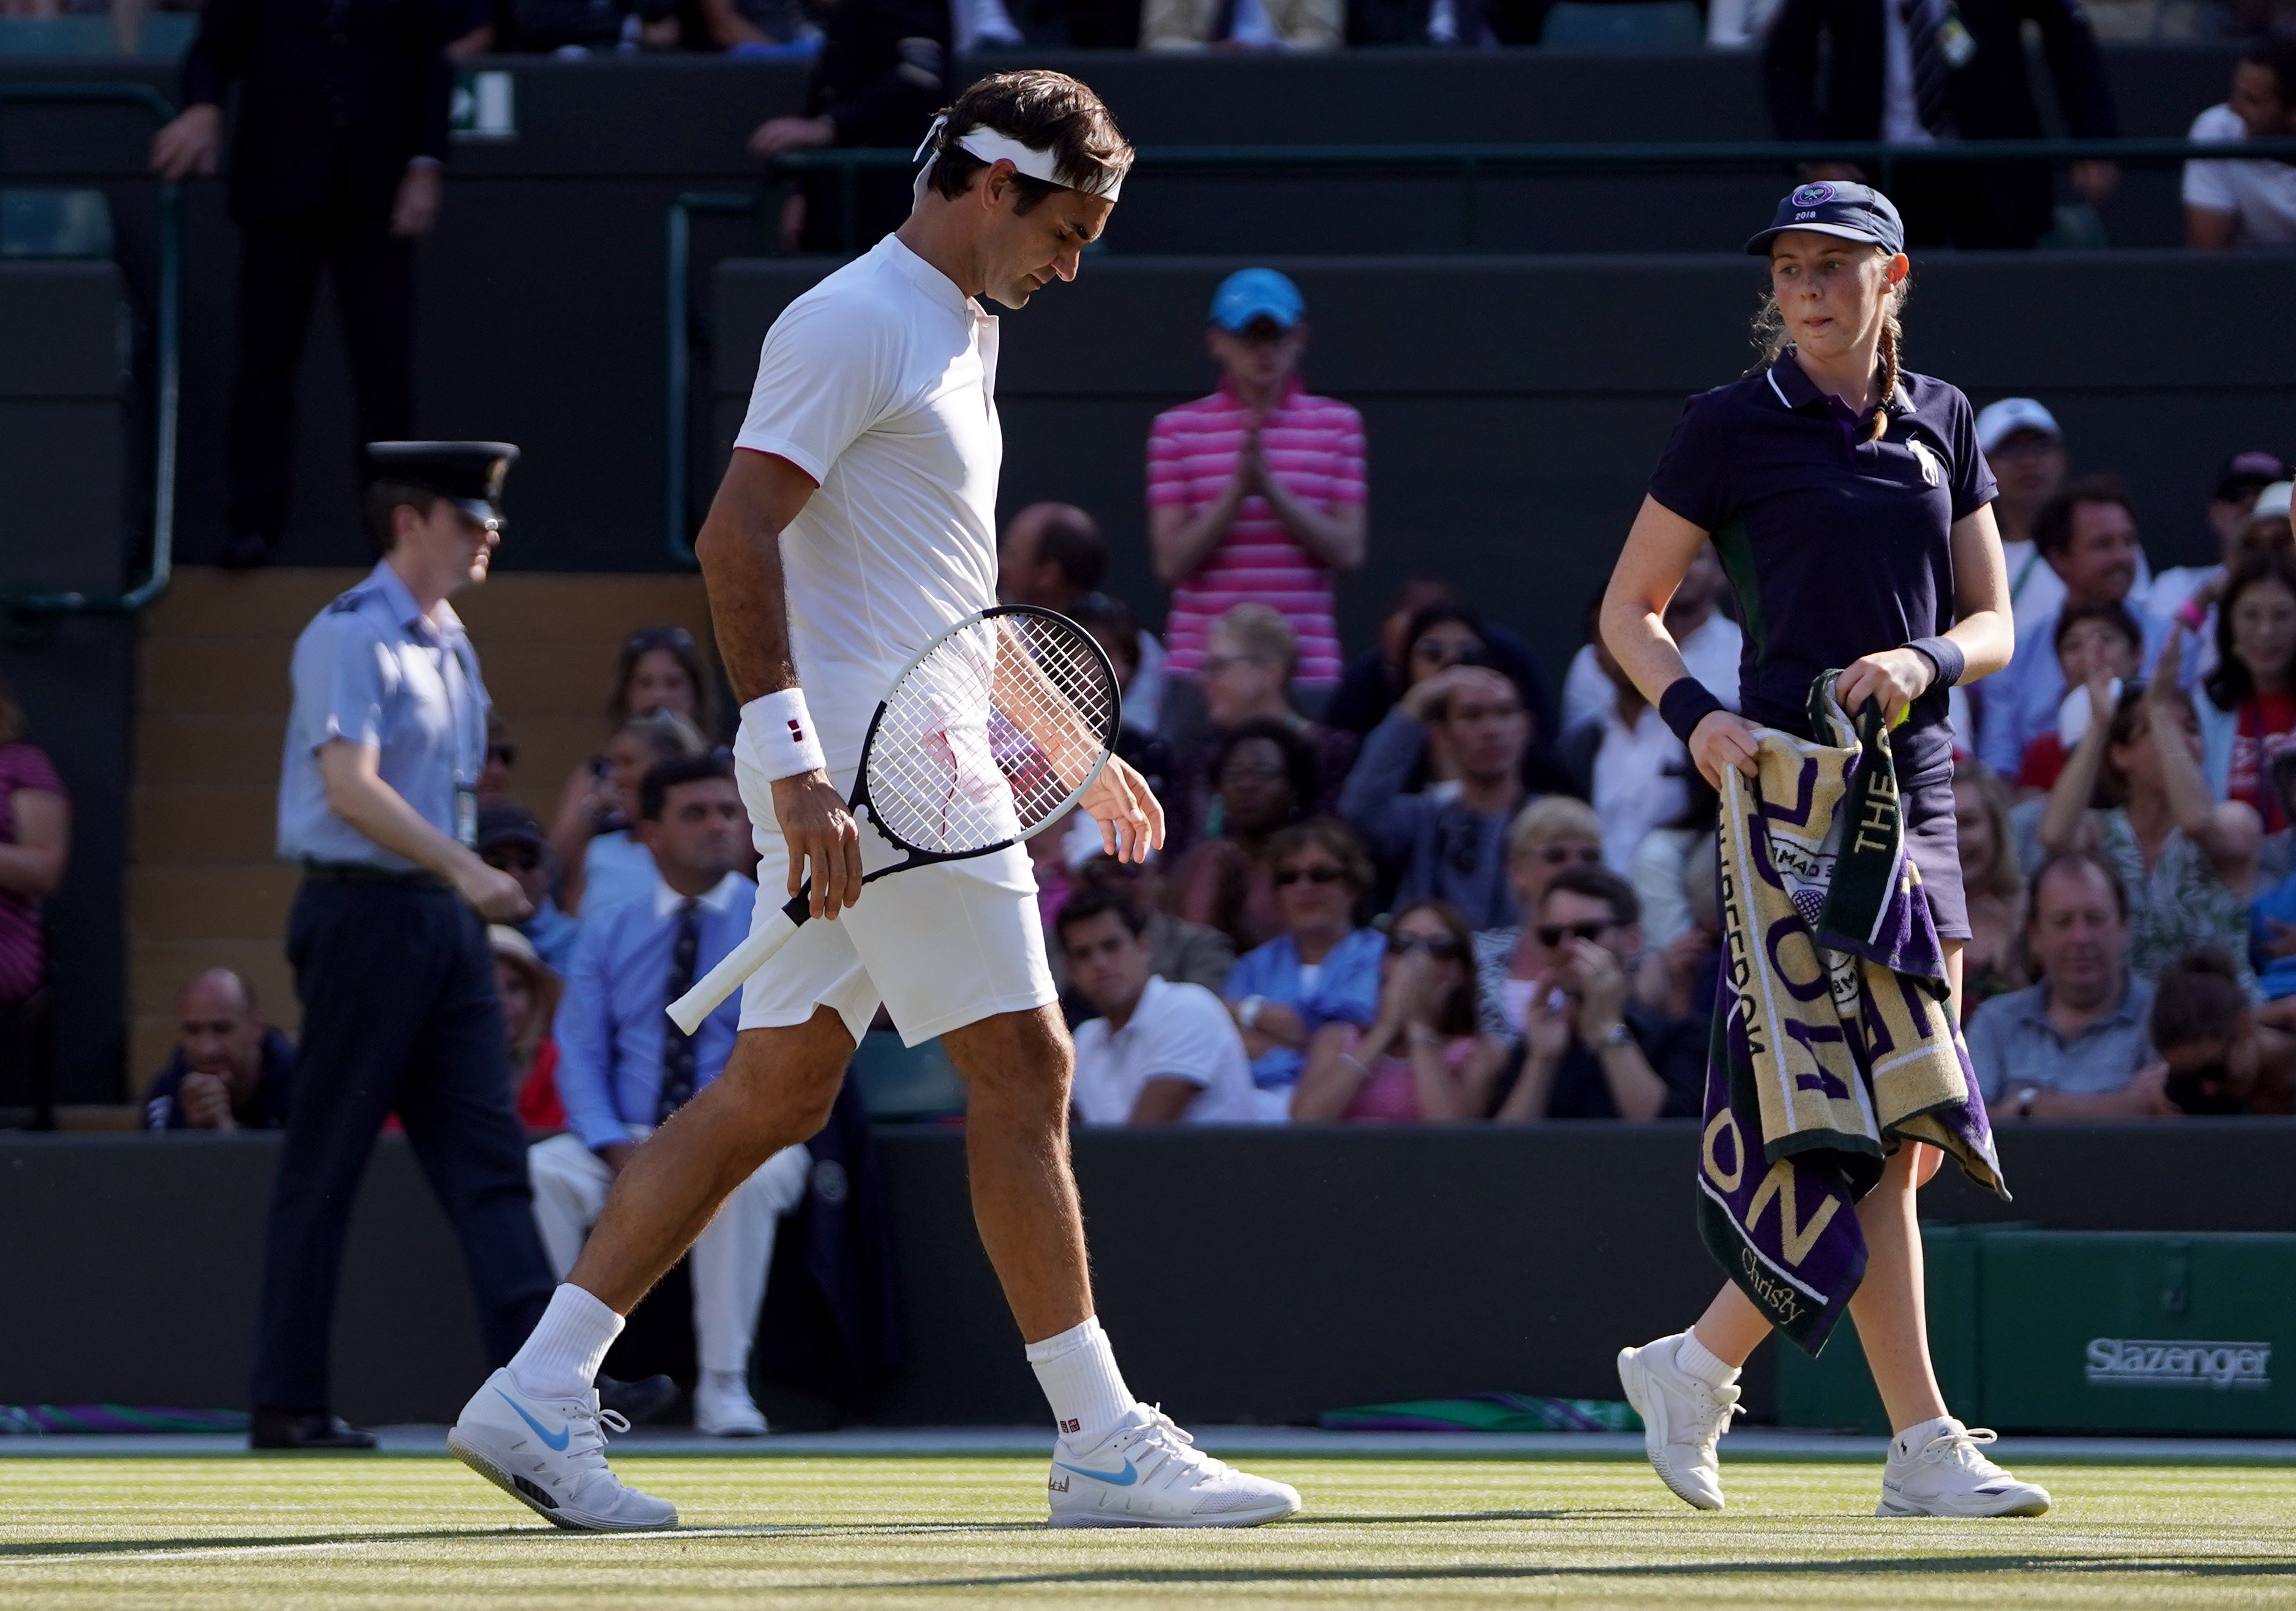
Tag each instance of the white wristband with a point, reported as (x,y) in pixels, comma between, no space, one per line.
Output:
(780,735)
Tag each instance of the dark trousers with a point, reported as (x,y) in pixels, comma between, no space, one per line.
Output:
(279,265)
(399,1014)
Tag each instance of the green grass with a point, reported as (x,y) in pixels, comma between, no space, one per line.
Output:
(848,1533)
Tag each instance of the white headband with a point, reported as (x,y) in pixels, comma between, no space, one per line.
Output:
(993,145)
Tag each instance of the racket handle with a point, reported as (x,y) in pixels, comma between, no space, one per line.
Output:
(729,975)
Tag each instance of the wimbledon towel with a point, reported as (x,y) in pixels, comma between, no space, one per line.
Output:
(1833,1041)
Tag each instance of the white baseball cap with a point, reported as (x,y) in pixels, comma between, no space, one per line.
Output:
(2272,502)
(1997,423)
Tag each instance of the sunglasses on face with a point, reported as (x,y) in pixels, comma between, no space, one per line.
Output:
(513,862)
(1285,877)
(1441,947)
(676,639)
(1553,934)
(1565,855)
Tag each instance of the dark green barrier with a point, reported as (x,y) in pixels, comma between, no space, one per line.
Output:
(2085,1331)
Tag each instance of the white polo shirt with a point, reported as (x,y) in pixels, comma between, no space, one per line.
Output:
(2261,195)
(880,383)
(1178,1031)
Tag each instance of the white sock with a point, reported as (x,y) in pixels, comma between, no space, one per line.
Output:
(726,1381)
(561,1359)
(1913,1439)
(1077,1372)
(1695,1359)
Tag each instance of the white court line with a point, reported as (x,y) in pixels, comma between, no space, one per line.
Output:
(522,1535)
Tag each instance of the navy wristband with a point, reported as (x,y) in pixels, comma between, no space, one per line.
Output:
(1686,703)
(1945,655)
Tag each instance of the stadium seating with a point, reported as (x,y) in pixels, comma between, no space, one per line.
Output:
(55,223)
(1623,25)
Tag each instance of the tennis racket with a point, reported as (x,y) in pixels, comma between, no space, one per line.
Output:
(985,739)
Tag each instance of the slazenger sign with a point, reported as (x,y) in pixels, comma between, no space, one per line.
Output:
(2130,1362)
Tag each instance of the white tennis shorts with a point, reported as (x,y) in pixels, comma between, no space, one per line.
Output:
(942,947)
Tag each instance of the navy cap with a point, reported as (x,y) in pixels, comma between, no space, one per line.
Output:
(469,474)
(1855,212)
(1256,294)
(504,822)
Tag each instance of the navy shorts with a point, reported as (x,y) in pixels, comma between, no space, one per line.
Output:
(1931,841)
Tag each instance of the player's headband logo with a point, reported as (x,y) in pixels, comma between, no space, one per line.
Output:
(1811,196)
(993,145)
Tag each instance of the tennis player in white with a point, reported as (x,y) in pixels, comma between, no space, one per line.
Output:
(857,520)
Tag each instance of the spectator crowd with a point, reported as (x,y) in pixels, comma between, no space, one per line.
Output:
(1409,883)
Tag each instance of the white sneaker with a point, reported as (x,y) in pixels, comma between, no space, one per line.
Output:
(725,1408)
(1148,1473)
(1683,1418)
(1949,1476)
(550,1455)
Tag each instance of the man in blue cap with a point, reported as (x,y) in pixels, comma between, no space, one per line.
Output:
(1255,493)
(378,801)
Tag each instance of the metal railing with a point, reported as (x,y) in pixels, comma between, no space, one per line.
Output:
(1469,165)
(27,602)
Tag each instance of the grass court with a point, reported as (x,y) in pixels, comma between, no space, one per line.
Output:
(846,1532)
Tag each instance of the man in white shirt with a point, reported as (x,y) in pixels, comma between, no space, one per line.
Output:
(855,523)
(2025,450)
(1710,640)
(1160,1052)
(2229,203)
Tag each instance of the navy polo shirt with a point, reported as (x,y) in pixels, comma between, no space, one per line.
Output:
(1836,547)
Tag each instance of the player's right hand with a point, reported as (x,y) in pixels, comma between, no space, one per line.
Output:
(824,842)
(495,892)
(1722,742)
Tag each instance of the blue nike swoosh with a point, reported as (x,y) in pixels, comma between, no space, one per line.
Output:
(558,1440)
(1119,1479)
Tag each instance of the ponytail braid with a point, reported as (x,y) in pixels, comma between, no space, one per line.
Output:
(1892,339)
(1891,349)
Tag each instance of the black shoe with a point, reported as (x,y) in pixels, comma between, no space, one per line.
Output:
(639,1401)
(245,552)
(304,1429)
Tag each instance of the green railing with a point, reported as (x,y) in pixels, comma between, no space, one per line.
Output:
(24,601)
(1469,165)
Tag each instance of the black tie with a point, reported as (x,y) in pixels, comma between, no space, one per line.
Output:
(676,1045)
(1933,73)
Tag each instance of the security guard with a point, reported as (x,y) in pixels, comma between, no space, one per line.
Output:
(378,801)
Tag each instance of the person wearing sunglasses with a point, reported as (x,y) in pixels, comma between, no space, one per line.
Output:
(1588,1049)
(1321,969)
(502,759)
(511,841)
(658,669)
(1377,676)
(1421,1061)
(1547,837)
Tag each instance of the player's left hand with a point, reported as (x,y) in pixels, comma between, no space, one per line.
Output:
(1131,821)
(1895,677)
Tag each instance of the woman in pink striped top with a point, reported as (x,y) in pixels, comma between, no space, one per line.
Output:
(1256,493)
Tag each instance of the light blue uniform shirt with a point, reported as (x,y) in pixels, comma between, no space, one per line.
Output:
(611,1022)
(369,669)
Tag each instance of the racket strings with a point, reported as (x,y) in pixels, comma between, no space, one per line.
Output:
(991,733)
